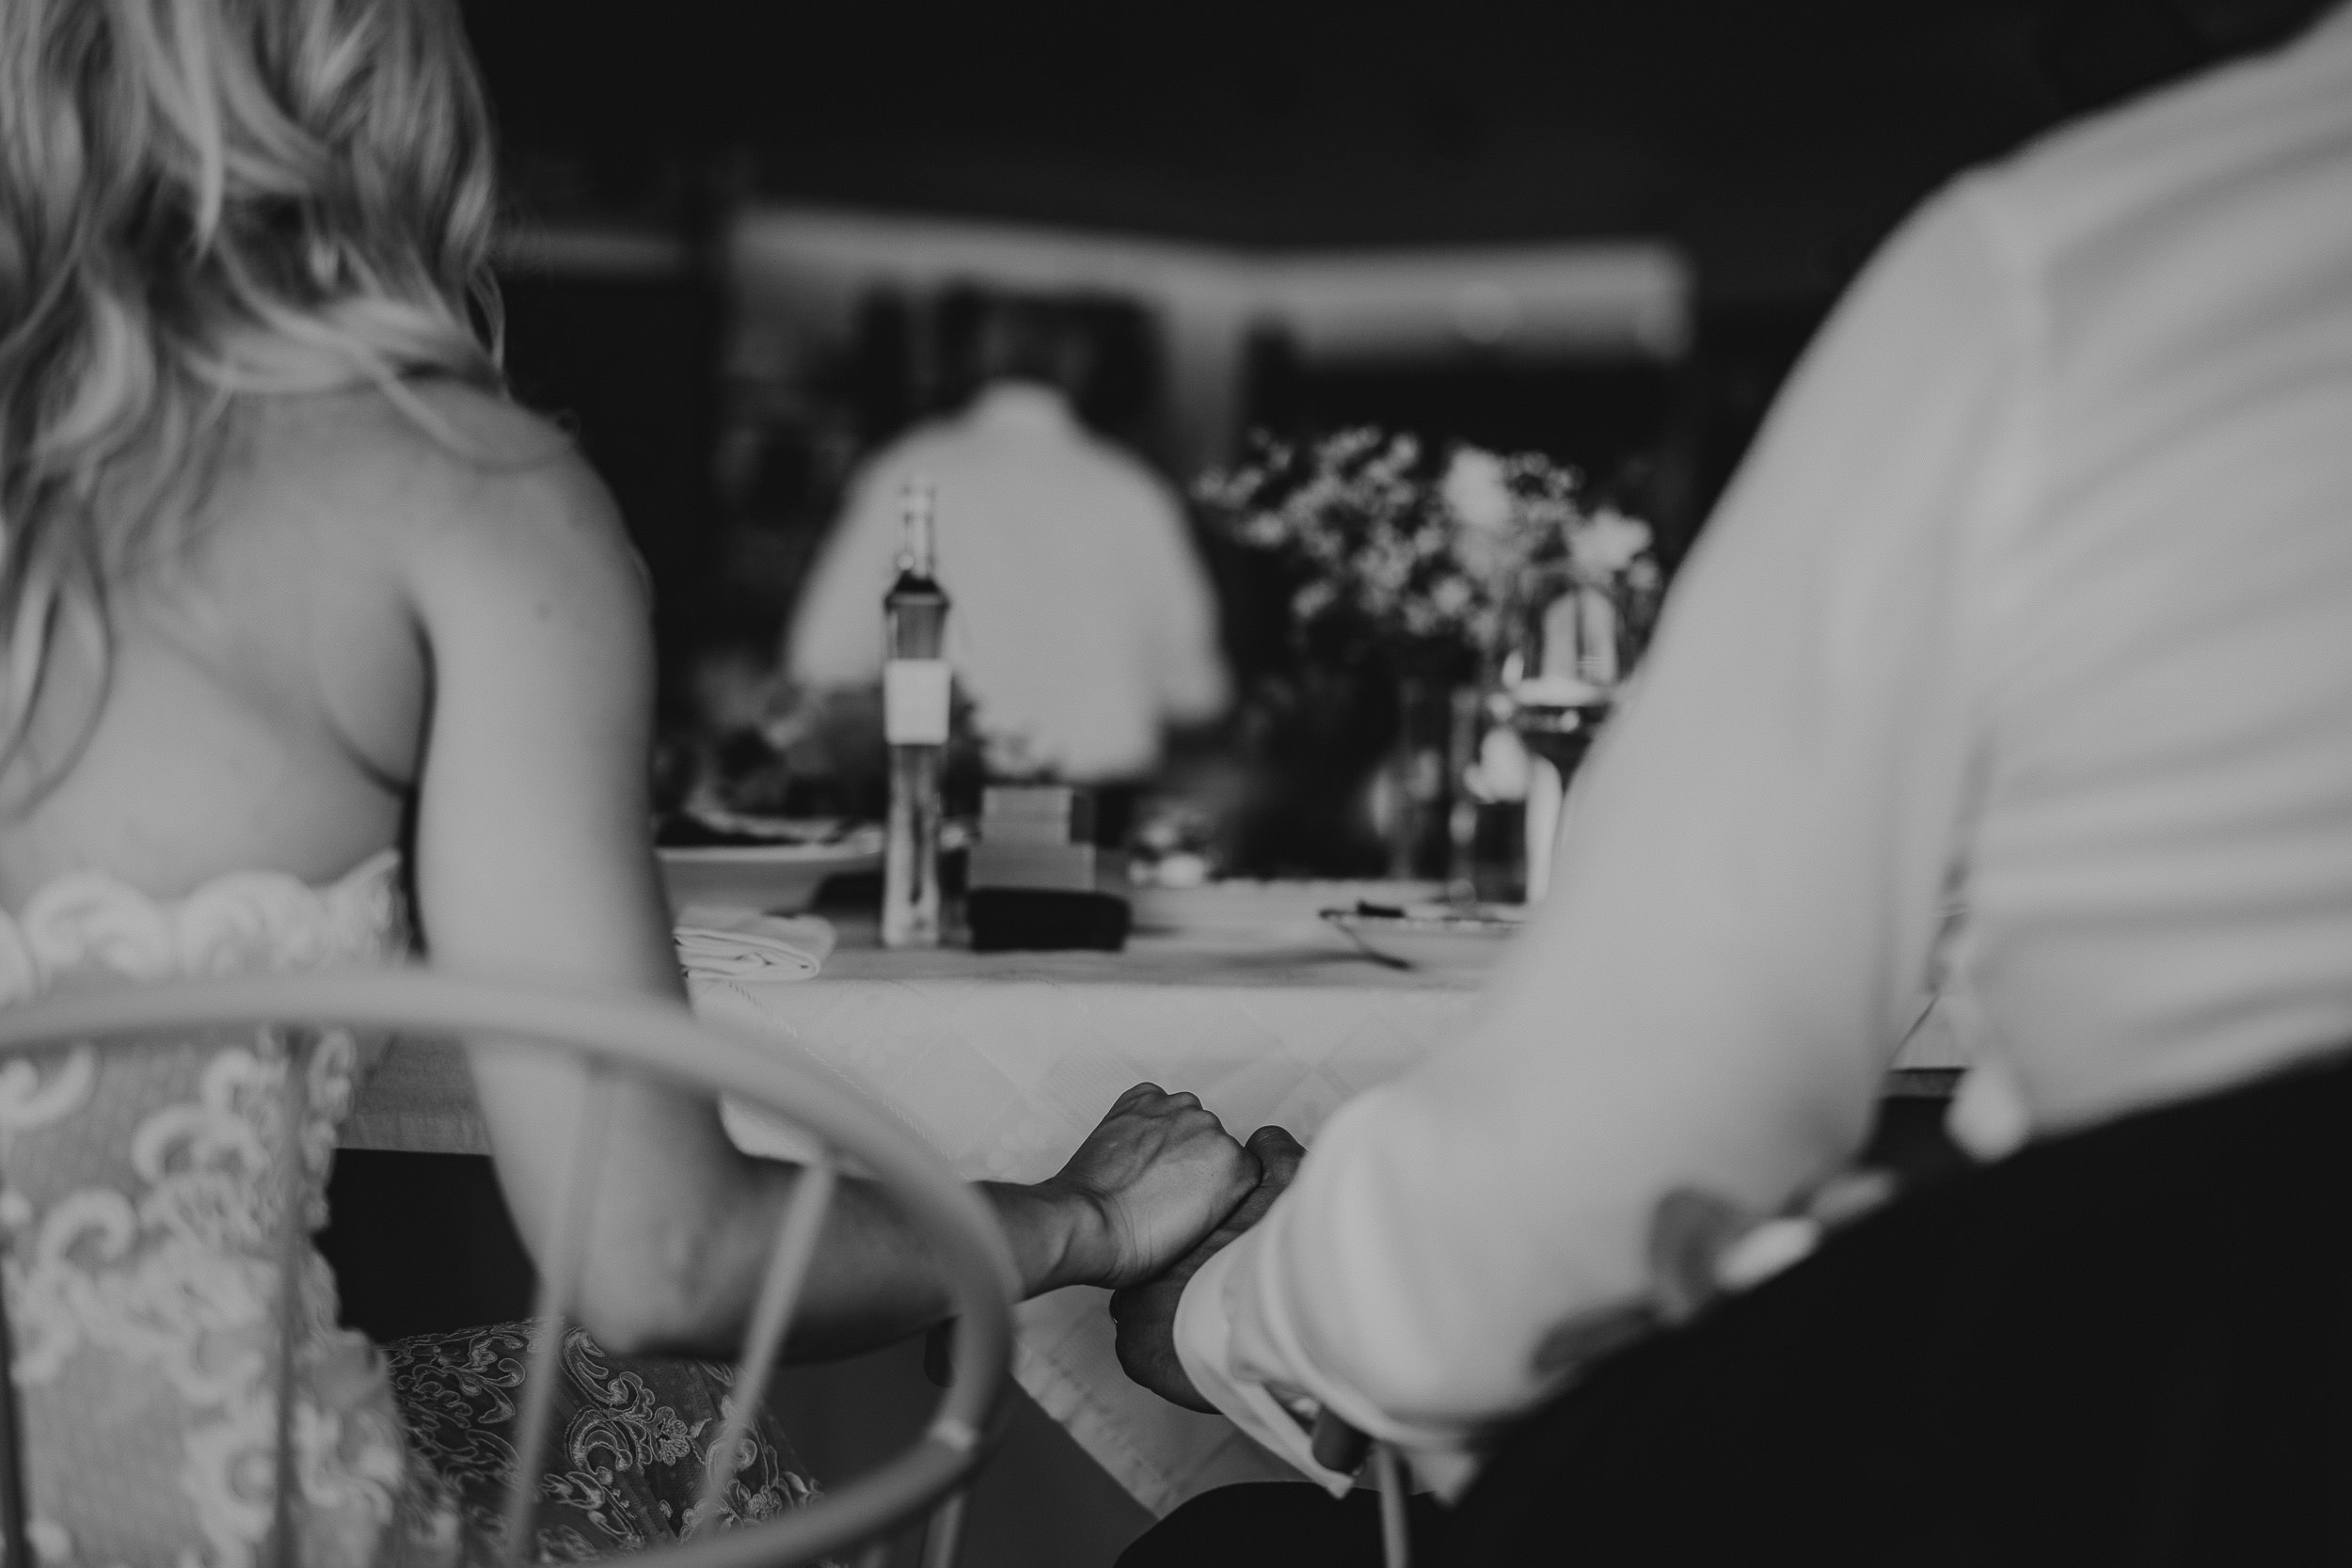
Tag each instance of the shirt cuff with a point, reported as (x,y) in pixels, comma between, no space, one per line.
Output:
(1202,1333)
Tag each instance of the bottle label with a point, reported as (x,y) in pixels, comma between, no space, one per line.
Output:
(915,702)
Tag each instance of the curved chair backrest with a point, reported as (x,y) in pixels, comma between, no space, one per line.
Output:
(655,1040)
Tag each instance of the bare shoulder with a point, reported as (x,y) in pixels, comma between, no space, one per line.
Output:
(471,469)
(438,469)
(460,494)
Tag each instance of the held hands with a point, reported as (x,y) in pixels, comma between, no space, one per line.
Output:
(1146,1313)
(1149,1182)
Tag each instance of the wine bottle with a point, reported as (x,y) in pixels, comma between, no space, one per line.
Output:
(916,688)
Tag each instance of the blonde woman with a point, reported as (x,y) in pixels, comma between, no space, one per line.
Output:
(281,570)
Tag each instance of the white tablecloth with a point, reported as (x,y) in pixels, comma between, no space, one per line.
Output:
(1004,1062)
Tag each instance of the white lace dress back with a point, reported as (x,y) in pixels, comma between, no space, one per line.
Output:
(141,1192)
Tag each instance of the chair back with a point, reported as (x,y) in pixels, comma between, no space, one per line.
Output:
(646,1038)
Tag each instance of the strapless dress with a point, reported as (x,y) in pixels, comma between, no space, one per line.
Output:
(140,1194)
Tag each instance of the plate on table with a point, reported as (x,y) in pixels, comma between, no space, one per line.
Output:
(1429,936)
(770,864)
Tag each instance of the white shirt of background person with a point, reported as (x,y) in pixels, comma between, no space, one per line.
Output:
(1082,621)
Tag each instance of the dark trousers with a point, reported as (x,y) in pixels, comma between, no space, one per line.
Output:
(2128,1346)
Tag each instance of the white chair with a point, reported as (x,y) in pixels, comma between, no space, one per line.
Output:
(655,1040)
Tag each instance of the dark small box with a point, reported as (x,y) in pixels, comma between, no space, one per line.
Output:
(1009,919)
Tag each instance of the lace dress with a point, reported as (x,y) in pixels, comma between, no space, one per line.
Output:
(140,1193)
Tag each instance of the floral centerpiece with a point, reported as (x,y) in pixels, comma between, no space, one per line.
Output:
(1418,577)
(1422,557)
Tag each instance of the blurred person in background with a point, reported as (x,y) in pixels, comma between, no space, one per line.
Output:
(1084,628)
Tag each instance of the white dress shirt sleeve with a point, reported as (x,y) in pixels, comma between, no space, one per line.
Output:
(1741,923)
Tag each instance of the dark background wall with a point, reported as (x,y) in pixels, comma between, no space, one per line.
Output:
(1776,141)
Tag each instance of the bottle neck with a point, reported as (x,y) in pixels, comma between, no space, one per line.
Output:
(917,543)
(915,608)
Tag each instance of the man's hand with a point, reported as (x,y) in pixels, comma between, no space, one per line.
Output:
(1146,1313)
(1146,1185)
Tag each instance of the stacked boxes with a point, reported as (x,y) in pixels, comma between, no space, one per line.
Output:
(1040,837)
(1037,879)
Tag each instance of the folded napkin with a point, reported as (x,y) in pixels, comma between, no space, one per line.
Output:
(745,945)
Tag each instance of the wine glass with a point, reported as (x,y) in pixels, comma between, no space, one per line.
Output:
(1558,683)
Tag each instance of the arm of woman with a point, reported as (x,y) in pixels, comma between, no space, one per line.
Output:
(533,861)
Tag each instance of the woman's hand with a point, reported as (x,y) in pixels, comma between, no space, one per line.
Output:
(1149,1181)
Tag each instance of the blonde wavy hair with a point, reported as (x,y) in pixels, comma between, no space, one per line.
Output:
(203,200)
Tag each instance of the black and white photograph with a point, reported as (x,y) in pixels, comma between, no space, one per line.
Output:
(1085,783)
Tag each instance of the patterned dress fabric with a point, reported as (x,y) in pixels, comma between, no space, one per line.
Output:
(629,1446)
(146,1274)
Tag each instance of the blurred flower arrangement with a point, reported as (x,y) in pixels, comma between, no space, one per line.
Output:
(1420,580)
(1423,556)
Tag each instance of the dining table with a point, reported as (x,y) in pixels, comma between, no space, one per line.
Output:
(1243,993)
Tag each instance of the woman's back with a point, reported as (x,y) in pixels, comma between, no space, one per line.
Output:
(265,685)
(234,807)
(264,523)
